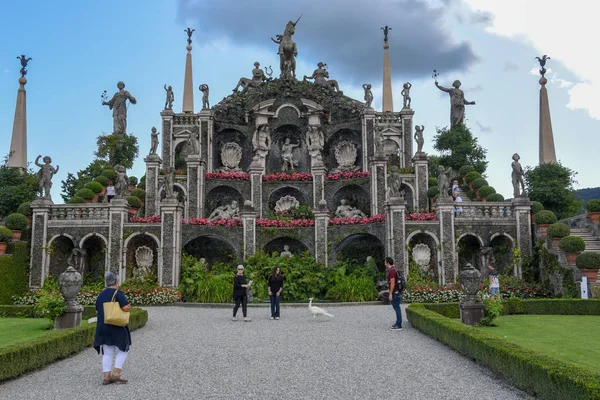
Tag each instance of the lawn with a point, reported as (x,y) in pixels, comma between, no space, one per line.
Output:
(571,338)
(16,330)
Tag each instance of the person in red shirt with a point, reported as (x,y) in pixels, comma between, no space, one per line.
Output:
(394,291)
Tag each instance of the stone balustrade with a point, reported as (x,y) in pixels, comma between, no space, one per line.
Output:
(480,210)
(89,211)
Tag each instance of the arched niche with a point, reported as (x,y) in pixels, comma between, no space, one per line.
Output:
(358,247)
(502,247)
(220,196)
(95,258)
(212,249)
(469,251)
(133,244)
(231,135)
(431,271)
(181,152)
(274,161)
(355,195)
(409,196)
(286,191)
(338,137)
(296,247)
(60,250)
(180,193)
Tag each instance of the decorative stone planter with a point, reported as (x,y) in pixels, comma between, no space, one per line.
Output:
(555,242)
(590,274)
(2,248)
(543,229)
(594,216)
(571,257)
(16,235)
(70,283)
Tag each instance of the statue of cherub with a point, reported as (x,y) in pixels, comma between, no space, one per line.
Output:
(406,94)
(368,95)
(45,175)
(170,98)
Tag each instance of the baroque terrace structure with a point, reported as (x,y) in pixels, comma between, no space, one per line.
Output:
(218,184)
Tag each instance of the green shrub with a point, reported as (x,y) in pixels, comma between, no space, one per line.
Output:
(85,193)
(593,206)
(133,181)
(94,186)
(142,185)
(471,176)
(471,194)
(493,309)
(25,209)
(109,173)
(571,244)
(432,191)
(16,222)
(588,261)
(485,191)
(545,217)
(101,179)
(50,305)
(200,285)
(449,310)
(13,271)
(536,207)
(76,200)
(139,193)
(513,305)
(559,230)
(134,202)
(495,197)
(432,182)
(5,234)
(350,288)
(479,183)
(465,169)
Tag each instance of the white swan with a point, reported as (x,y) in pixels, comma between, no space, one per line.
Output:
(315,311)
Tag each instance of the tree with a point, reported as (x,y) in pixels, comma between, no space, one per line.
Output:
(15,188)
(458,147)
(117,149)
(75,182)
(552,185)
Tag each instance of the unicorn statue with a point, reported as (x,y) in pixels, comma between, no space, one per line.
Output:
(287,51)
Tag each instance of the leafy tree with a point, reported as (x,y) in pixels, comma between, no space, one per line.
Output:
(458,147)
(73,183)
(117,149)
(15,188)
(552,185)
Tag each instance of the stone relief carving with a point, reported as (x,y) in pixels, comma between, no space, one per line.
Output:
(345,154)
(321,77)
(153,140)
(286,252)
(422,255)
(258,77)
(286,202)
(45,175)
(205,92)
(231,155)
(261,141)
(517,177)
(345,210)
(118,105)
(170,97)
(144,256)
(287,155)
(368,95)
(225,212)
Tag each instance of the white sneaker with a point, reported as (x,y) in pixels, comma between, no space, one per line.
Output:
(276,317)
(234,319)
(271,318)
(246,319)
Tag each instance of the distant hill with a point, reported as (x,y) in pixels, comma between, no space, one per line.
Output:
(588,194)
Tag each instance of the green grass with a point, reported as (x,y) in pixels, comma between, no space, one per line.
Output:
(16,330)
(570,338)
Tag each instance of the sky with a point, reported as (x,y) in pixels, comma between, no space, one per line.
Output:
(79,49)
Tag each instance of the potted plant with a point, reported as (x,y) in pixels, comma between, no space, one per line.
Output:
(16,223)
(485,191)
(140,194)
(134,205)
(536,207)
(5,237)
(76,200)
(543,219)
(109,173)
(589,263)
(25,209)
(495,197)
(133,181)
(431,193)
(96,188)
(85,194)
(593,210)
(478,184)
(464,170)
(558,231)
(572,246)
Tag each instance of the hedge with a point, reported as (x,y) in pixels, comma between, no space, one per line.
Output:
(16,222)
(76,200)
(28,311)
(479,183)
(571,244)
(465,169)
(495,197)
(588,260)
(544,376)
(558,230)
(545,217)
(471,176)
(13,272)
(20,358)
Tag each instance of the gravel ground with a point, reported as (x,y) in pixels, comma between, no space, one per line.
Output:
(199,353)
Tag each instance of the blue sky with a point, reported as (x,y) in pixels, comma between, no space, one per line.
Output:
(80,49)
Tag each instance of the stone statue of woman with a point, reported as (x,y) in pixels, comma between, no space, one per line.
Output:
(457,103)
(419,138)
(118,105)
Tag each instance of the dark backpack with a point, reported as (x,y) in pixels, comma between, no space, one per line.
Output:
(400,283)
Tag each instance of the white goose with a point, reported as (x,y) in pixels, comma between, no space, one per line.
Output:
(316,311)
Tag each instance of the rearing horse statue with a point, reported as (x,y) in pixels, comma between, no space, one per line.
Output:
(287,51)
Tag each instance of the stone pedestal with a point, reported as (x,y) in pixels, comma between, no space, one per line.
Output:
(521,207)
(167,138)
(248,216)
(321,222)
(256,173)
(368,144)
(420,161)
(206,119)
(70,319)
(153,162)
(118,216)
(39,238)
(395,238)
(471,313)
(445,214)
(195,186)
(170,241)
(406,114)
(319,174)
(377,166)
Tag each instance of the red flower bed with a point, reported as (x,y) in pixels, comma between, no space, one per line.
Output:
(234,176)
(357,221)
(230,222)
(280,223)
(347,175)
(421,217)
(284,176)
(154,219)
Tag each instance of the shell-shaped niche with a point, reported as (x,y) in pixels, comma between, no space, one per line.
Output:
(286,202)
(144,256)
(231,156)
(345,154)
(422,255)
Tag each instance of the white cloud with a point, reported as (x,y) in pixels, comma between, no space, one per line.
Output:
(535,22)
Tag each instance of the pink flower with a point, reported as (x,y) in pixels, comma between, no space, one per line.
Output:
(154,219)
(237,176)
(357,221)
(347,175)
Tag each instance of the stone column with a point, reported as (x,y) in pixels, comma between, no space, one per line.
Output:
(445,214)
(395,237)
(248,216)
(521,208)
(421,180)
(195,186)
(153,162)
(170,240)
(319,174)
(256,172)
(118,216)
(39,225)
(368,137)
(321,224)
(168,149)
(407,136)
(378,166)
(206,119)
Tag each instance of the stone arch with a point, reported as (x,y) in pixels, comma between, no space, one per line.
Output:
(283,106)
(274,162)
(358,247)
(276,245)
(232,135)
(96,256)
(59,249)
(212,248)
(181,149)
(337,137)
(409,194)
(180,191)
(355,195)
(131,244)
(221,195)
(287,191)
(469,247)
(502,246)
(433,270)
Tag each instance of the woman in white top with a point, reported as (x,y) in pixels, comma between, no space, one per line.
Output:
(110,191)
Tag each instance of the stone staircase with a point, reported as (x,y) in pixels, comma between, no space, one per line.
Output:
(592,243)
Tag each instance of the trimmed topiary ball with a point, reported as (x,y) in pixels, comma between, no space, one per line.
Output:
(133,181)
(558,230)
(465,169)
(142,185)
(134,202)
(494,197)
(25,209)
(16,222)
(139,193)
(471,176)
(479,183)
(432,191)
(76,200)
(588,260)
(101,179)
(536,207)
(485,190)
(432,182)
(471,194)
(109,173)
(5,235)
(571,244)
(85,193)
(545,217)
(593,206)
(94,186)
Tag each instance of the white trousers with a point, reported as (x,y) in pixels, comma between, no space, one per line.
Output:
(107,357)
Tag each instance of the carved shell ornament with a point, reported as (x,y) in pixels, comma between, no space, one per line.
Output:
(286,202)
(345,154)
(422,255)
(231,155)
(144,256)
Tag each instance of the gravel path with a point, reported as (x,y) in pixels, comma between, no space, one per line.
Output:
(199,353)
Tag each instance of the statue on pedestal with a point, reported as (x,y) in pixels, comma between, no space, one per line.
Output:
(444,182)
(321,77)
(170,98)
(347,211)
(193,141)
(261,141)
(394,183)
(258,77)
(154,140)
(287,154)
(406,94)
(368,95)
(287,51)
(169,182)
(45,175)
(419,138)
(286,252)
(118,104)
(315,140)
(121,182)
(517,176)
(205,91)
(457,103)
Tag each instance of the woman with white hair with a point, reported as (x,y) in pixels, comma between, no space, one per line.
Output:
(239,293)
(113,341)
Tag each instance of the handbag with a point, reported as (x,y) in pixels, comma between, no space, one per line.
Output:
(114,314)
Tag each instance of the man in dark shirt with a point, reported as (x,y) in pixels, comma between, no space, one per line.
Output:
(394,293)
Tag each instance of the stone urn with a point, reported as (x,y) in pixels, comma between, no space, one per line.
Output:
(70,283)
(471,311)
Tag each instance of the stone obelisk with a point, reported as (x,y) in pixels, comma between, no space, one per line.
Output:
(188,84)
(547,152)
(387,103)
(17,157)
